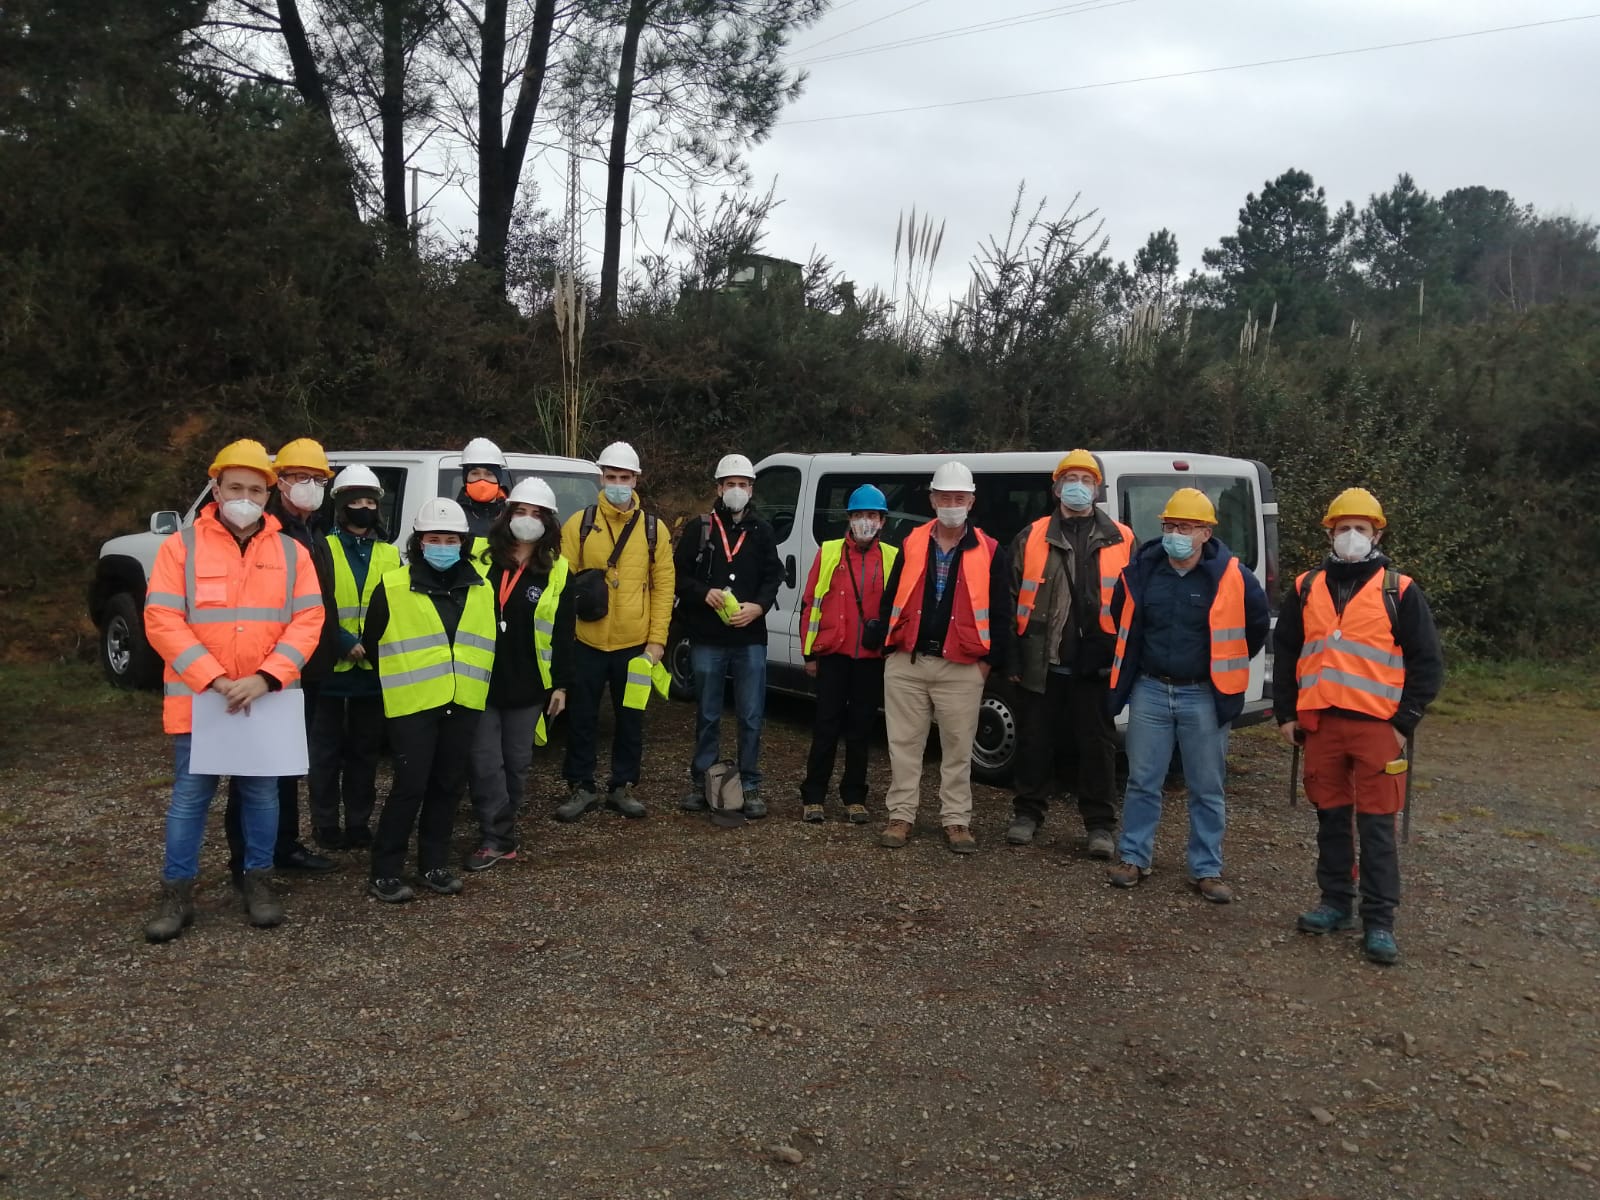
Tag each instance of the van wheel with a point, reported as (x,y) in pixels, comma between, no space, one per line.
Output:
(125,656)
(682,669)
(994,749)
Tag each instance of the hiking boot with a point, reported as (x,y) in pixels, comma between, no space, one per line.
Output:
(856,814)
(754,806)
(329,837)
(441,880)
(1324,918)
(813,814)
(580,800)
(1213,889)
(1379,946)
(259,902)
(485,857)
(1102,845)
(359,838)
(391,891)
(298,858)
(694,801)
(174,914)
(621,798)
(895,834)
(1127,875)
(959,840)
(1023,827)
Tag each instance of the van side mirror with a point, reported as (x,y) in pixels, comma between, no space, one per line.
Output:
(165,522)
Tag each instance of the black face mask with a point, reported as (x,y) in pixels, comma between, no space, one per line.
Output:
(361,518)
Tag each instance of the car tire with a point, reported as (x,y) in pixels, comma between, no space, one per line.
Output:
(994,748)
(125,655)
(682,670)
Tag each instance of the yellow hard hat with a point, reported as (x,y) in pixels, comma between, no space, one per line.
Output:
(246,452)
(1189,504)
(1355,502)
(305,454)
(1078,460)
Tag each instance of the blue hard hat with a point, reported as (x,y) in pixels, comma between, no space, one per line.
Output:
(867,498)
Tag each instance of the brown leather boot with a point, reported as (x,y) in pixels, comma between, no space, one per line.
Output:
(959,839)
(895,834)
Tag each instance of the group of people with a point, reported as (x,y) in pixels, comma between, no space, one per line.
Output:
(501,617)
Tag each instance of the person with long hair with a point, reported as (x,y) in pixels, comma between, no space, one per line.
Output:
(533,649)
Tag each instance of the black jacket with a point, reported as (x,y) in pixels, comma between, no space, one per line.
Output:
(448,592)
(312,533)
(754,574)
(936,613)
(1414,630)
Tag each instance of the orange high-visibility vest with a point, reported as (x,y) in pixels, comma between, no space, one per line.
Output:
(213,612)
(1350,660)
(1112,560)
(967,640)
(1230,651)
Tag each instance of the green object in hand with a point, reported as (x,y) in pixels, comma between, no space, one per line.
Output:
(730,606)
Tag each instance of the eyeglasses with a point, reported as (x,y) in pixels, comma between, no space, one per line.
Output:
(1183,527)
(294,477)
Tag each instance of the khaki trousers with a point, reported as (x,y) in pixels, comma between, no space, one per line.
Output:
(915,693)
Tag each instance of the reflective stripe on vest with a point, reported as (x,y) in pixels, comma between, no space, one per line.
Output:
(417,665)
(1230,651)
(544,635)
(1350,660)
(1113,561)
(1036,555)
(973,566)
(352,605)
(829,558)
(636,693)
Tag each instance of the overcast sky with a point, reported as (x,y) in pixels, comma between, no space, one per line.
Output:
(1514,110)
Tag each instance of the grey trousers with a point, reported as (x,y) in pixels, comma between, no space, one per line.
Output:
(501,755)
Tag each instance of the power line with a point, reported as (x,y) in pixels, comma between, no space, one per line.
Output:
(864,25)
(1265,62)
(1028,18)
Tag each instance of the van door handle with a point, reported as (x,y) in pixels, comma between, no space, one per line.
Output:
(788,571)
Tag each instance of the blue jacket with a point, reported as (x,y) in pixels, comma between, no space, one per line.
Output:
(1214,559)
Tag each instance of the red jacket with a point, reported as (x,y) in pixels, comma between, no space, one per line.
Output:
(839,625)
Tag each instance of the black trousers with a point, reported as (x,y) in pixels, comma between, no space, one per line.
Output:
(346,738)
(432,758)
(849,694)
(288,805)
(592,672)
(1338,830)
(1065,739)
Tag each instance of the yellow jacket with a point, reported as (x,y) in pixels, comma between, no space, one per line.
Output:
(641,603)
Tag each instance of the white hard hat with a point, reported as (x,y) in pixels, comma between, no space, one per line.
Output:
(356,475)
(481,452)
(440,515)
(953,477)
(620,456)
(534,491)
(735,464)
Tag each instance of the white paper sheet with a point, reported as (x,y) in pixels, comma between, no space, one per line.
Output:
(270,740)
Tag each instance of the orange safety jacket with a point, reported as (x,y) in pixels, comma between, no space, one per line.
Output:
(218,611)
(1230,651)
(1112,561)
(1350,660)
(967,640)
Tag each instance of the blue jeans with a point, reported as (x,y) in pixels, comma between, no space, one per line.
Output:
(748,666)
(191,801)
(1160,715)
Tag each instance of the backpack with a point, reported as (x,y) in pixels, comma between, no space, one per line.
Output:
(724,792)
(1391,593)
(591,596)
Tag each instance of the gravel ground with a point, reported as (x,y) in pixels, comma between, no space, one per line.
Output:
(663,1008)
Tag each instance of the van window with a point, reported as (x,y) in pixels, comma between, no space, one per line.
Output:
(1005,503)
(1144,496)
(574,491)
(777,498)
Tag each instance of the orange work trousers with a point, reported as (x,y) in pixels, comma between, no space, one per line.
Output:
(1344,763)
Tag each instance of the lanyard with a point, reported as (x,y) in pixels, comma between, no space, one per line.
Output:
(858,588)
(508,585)
(723,533)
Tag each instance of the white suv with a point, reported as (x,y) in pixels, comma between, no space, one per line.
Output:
(116,598)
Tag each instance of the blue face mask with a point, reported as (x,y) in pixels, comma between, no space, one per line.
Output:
(1178,546)
(442,558)
(1076,495)
(618,493)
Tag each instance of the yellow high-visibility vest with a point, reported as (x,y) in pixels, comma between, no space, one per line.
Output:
(352,604)
(418,665)
(544,635)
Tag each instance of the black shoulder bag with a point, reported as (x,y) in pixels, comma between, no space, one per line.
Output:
(591,593)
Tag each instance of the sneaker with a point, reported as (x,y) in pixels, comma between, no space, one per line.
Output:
(329,837)
(813,814)
(959,840)
(622,800)
(298,858)
(359,838)
(1127,875)
(1213,889)
(580,799)
(485,857)
(754,806)
(1379,946)
(391,891)
(856,814)
(1023,827)
(1324,918)
(442,880)
(894,834)
(695,801)
(1102,845)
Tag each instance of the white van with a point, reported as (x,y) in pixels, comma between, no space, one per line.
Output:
(804,496)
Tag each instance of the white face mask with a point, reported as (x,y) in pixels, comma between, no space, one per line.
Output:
(951,518)
(307,497)
(527,529)
(865,528)
(241,514)
(735,498)
(1351,545)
